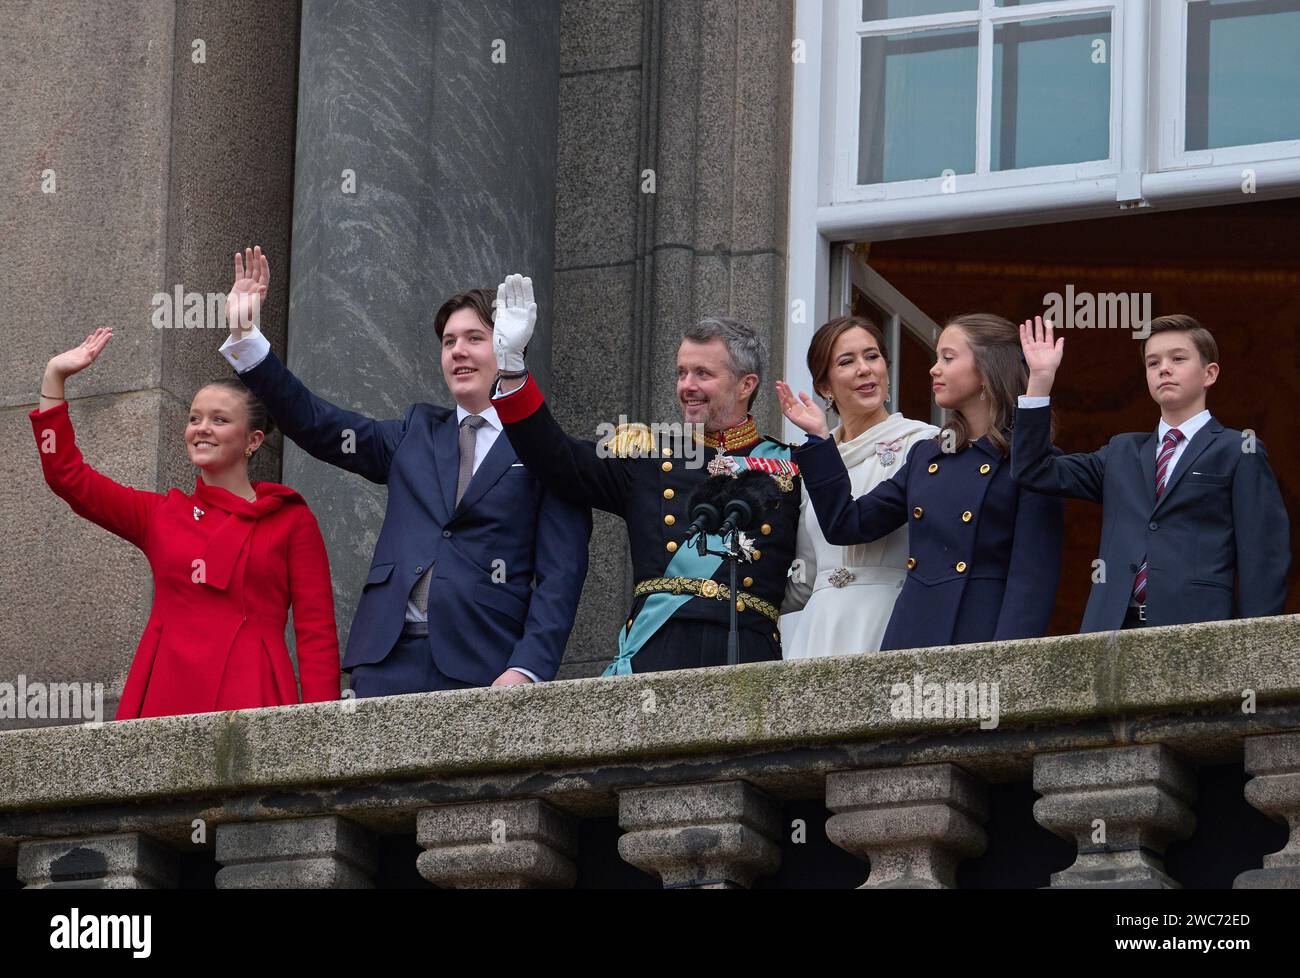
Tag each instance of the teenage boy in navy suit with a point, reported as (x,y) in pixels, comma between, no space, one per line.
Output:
(477,573)
(1189,510)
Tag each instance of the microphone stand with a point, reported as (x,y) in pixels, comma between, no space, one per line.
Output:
(732,555)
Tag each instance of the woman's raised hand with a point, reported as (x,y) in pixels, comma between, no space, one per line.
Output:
(80,357)
(252,279)
(802,411)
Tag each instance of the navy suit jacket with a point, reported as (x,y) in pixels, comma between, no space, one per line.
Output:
(1220,520)
(985,554)
(506,524)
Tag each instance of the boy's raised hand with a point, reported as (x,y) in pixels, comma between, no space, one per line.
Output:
(244,303)
(1043,355)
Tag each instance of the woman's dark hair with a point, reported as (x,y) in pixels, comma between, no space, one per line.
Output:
(823,343)
(259,418)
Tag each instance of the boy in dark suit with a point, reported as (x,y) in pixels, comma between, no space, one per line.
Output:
(1189,510)
(476,576)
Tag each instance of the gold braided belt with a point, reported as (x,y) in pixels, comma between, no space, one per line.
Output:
(707,589)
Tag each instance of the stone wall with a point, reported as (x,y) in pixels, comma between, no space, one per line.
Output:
(162,166)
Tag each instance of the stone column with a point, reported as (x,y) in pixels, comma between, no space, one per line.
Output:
(719,835)
(129,861)
(323,852)
(913,824)
(522,844)
(671,204)
(1122,806)
(1274,763)
(425,166)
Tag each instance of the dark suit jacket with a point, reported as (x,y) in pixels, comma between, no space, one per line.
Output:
(1220,519)
(985,554)
(506,522)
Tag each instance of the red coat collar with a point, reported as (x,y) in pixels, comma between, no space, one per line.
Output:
(270,497)
(221,555)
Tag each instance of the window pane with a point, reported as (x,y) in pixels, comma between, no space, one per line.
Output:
(918,105)
(1243,72)
(882,9)
(914,392)
(1051,91)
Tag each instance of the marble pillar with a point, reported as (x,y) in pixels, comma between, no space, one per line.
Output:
(425,166)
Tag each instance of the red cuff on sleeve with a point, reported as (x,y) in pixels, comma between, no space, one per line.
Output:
(37,414)
(520,404)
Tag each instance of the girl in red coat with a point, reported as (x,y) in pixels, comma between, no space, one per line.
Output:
(228,561)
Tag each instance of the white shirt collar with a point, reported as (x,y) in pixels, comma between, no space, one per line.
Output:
(489,415)
(1189,428)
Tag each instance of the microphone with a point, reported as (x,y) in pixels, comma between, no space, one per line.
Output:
(705,506)
(751,494)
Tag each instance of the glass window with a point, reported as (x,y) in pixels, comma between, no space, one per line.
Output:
(883,9)
(1243,72)
(1051,92)
(918,107)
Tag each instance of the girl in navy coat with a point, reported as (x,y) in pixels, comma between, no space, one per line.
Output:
(985,554)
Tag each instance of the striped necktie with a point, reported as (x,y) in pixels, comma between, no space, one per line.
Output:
(1167,448)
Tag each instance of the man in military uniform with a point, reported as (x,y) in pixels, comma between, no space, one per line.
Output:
(680,612)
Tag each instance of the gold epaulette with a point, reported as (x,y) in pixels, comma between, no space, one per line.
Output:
(631,439)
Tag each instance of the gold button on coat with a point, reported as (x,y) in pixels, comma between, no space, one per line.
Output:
(966,517)
(667,466)
(668,494)
(985,468)
(749,582)
(911,562)
(765,529)
(961,567)
(934,467)
(670,519)
(672,546)
(740,606)
(668,453)
(917,512)
(758,554)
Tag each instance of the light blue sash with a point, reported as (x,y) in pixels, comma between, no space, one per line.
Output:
(687,562)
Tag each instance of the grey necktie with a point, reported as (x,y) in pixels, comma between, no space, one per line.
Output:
(468,443)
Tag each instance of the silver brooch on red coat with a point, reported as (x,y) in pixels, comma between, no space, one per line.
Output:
(197,512)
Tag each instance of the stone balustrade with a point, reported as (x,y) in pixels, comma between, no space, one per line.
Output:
(501,787)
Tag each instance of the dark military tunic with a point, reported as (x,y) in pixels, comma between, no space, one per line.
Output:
(650,493)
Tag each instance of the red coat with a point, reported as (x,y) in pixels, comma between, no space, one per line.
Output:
(225,574)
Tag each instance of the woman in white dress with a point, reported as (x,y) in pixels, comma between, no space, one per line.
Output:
(847,593)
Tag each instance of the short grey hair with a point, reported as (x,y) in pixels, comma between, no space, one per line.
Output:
(744,347)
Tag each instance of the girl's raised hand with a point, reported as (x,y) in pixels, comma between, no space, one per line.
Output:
(82,356)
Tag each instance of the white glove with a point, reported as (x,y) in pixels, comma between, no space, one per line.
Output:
(513,321)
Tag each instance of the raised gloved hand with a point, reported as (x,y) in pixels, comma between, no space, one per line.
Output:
(513,320)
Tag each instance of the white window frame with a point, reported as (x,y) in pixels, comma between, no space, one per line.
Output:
(1143,179)
(852,29)
(1171,82)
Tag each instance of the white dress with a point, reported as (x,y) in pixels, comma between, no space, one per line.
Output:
(847,593)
